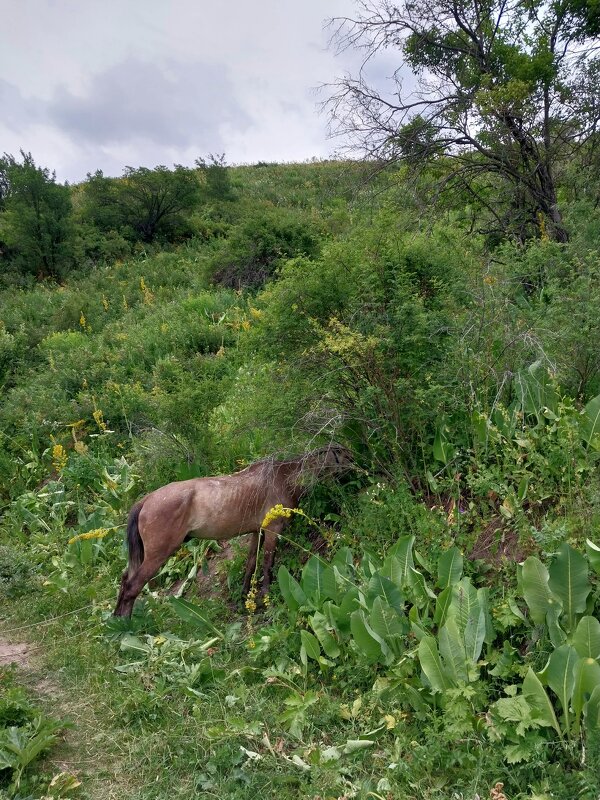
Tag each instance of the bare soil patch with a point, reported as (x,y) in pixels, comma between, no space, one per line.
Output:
(14,653)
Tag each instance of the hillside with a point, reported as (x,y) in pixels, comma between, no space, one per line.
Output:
(446,590)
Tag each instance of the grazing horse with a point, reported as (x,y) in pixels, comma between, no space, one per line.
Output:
(220,507)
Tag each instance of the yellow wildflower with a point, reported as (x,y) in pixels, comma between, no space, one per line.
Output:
(99,417)
(279,511)
(105,302)
(148,296)
(59,457)
(245,323)
(98,533)
(82,320)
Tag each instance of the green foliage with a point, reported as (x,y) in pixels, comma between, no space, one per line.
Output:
(464,384)
(16,573)
(25,735)
(35,219)
(255,248)
(217,176)
(144,204)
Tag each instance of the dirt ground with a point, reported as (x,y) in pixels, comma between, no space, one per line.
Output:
(14,653)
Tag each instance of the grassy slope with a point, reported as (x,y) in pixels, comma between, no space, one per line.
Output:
(162,729)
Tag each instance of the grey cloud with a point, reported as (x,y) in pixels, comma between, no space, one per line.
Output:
(169,103)
(18,110)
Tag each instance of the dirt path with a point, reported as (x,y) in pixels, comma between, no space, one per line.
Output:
(76,753)
(14,653)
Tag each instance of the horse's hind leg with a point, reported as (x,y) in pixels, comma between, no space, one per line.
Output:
(132,586)
(121,592)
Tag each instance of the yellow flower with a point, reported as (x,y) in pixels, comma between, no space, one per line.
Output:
(105,302)
(98,533)
(59,457)
(82,320)
(279,511)
(99,417)
(275,513)
(148,296)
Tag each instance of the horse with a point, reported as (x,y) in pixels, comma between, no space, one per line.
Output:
(221,507)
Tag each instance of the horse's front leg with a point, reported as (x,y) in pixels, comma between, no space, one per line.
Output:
(270,544)
(251,561)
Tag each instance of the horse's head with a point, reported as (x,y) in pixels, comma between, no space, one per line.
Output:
(334,459)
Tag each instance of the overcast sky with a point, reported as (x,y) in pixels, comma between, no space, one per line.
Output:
(100,84)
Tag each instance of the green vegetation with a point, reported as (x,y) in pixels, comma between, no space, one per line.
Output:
(435,627)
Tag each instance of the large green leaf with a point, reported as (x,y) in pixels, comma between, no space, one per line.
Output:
(432,666)
(443,450)
(318,623)
(593,554)
(452,650)
(586,639)
(442,606)
(560,676)
(392,570)
(129,642)
(349,603)
(591,711)
(190,612)
(380,586)
(587,678)
(569,582)
(450,566)
(402,550)
(465,602)
(538,699)
(475,635)
(318,580)
(483,596)
(290,589)
(368,643)
(590,424)
(557,636)
(311,645)
(385,621)
(421,593)
(536,591)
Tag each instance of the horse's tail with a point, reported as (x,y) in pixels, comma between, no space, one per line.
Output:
(134,540)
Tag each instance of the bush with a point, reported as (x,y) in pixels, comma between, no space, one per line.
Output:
(15,571)
(251,254)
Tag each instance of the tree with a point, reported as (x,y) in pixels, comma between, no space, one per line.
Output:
(216,175)
(150,202)
(506,91)
(35,217)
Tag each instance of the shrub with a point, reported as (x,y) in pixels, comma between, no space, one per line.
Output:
(15,571)
(255,247)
